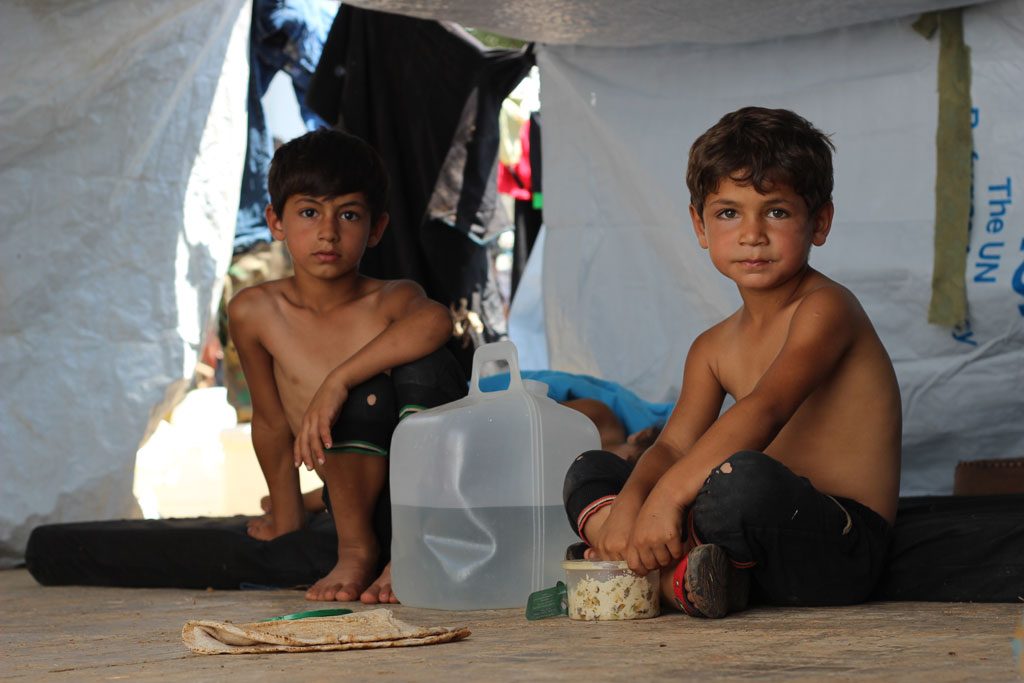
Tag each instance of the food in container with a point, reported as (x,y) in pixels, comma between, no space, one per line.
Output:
(608,591)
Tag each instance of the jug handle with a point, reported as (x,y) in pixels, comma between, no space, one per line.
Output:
(496,351)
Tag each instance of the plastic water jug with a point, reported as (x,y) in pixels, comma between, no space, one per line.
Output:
(476,493)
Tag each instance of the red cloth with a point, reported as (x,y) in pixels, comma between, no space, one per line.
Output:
(516,181)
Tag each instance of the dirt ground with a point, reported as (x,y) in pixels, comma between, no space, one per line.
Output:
(79,634)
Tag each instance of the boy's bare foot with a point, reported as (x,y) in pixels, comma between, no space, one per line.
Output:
(264,528)
(312,501)
(271,525)
(349,578)
(261,528)
(380,590)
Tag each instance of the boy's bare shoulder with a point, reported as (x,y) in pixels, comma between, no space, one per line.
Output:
(254,300)
(711,338)
(828,305)
(394,295)
(402,289)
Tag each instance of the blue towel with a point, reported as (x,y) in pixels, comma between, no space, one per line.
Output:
(635,413)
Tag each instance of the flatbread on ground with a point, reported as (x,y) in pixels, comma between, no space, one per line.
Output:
(361,630)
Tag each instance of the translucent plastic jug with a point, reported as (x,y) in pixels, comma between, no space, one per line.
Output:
(476,493)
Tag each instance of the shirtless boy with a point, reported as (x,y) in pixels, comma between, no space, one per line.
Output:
(333,357)
(790,494)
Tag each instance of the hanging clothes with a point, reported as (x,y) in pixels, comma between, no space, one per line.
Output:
(288,36)
(529,214)
(426,96)
(514,176)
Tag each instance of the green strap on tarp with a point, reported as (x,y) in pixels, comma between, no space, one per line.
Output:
(954,146)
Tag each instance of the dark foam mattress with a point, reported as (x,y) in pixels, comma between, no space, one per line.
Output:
(946,548)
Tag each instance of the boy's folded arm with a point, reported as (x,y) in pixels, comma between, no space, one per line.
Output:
(821,332)
(417,326)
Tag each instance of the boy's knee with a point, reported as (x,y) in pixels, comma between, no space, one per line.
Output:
(592,466)
(367,418)
(739,489)
(438,366)
(370,400)
(430,381)
(747,473)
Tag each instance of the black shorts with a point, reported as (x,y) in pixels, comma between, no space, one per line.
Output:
(375,407)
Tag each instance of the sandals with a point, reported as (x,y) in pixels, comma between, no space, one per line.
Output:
(717,587)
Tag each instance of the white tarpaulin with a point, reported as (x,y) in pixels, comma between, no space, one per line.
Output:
(629,23)
(627,288)
(122,134)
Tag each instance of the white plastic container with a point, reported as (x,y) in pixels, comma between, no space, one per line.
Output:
(608,591)
(476,493)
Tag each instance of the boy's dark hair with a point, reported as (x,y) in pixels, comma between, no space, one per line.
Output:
(762,147)
(328,163)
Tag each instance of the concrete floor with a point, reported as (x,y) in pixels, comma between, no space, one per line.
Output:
(78,634)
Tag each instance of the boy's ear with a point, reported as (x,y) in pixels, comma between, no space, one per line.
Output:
(698,227)
(274,222)
(377,231)
(822,223)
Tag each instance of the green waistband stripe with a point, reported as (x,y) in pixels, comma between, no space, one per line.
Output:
(409,410)
(356,447)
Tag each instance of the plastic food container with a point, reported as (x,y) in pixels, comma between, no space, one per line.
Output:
(609,591)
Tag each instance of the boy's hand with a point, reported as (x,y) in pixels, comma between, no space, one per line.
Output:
(612,539)
(315,433)
(657,538)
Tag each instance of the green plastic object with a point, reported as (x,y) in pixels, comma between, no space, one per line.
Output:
(311,613)
(548,602)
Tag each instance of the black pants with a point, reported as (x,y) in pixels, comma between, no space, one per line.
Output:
(803,547)
(374,408)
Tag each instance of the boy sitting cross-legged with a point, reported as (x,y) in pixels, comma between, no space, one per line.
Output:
(334,358)
(791,492)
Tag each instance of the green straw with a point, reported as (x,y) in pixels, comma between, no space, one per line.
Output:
(311,613)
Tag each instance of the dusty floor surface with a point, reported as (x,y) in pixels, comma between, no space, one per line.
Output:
(79,634)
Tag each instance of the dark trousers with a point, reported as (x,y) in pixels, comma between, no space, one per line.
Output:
(802,547)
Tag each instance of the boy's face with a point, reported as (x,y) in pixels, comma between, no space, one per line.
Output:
(326,237)
(759,241)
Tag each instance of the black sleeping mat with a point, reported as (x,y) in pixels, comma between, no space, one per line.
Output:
(178,553)
(946,548)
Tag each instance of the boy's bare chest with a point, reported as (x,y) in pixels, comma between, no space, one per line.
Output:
(306,346)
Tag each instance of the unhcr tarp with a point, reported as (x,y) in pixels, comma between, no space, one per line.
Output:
(622,269)
(625,287)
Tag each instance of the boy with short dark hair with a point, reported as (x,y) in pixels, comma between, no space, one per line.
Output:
(791,492)
(333,358)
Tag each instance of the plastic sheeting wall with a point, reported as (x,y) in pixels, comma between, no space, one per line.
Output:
(623,271)
(122,134)
(630,23)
